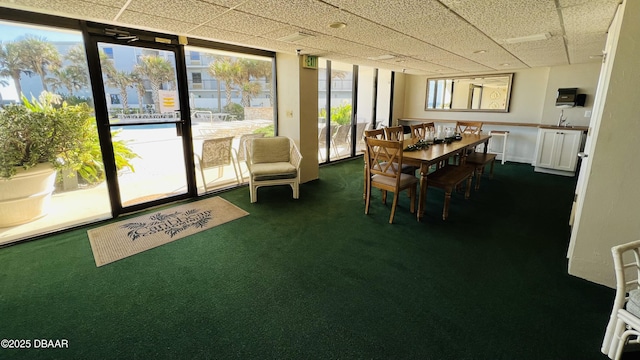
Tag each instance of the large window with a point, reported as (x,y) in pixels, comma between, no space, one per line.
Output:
(356,98)
(230,98)
(140,115)
(48,67)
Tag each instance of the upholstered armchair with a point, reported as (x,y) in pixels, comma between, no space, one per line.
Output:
(272,161)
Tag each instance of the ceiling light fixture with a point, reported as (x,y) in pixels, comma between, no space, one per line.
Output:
(505,64)
(337,25)
(480,51)
(536,37)
(382,57)
(295,37)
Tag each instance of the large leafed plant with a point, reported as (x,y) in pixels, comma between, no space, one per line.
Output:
(47,130)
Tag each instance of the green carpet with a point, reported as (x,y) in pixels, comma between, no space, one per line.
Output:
(315,278)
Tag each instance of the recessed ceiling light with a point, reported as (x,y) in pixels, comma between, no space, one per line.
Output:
(480,51)
(337,25)
(505,64)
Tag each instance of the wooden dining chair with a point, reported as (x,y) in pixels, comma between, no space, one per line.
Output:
(382,173)
(375,133)
(394,133)
(469,127)
(420,130)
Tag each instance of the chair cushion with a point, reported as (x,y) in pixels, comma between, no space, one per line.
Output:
(270,150)
(405,179)
(633,305)
(273,171)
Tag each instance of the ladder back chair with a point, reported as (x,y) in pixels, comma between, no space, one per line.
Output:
(420,130)
(469,127)
(383,173)
(394,133)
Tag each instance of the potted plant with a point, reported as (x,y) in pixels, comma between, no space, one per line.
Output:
(38,138)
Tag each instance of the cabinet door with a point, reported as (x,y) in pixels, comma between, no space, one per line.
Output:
(568,145)
(546,149)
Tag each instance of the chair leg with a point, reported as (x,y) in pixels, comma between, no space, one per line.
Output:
(393,207)
(478,171)
(367,200)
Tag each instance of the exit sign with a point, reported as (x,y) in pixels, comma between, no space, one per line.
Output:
(309,61)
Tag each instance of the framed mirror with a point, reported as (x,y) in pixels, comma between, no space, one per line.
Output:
(484,93)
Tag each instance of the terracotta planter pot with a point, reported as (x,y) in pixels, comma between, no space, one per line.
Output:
(26,196)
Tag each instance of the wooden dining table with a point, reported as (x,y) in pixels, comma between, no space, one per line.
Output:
(435,154)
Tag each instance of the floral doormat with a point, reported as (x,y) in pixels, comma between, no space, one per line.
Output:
(132,236)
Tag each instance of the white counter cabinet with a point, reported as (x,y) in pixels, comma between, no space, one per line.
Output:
(557,150)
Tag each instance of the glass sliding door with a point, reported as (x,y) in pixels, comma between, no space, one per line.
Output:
(231,99)
(144,121)
(365,105)
(335,101)
(383,98)
(341,83)
(48,66)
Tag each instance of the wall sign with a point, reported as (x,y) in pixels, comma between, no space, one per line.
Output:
(309,62)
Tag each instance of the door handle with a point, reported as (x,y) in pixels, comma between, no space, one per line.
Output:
(582,155)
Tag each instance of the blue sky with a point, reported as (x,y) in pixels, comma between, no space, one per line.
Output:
(9,32)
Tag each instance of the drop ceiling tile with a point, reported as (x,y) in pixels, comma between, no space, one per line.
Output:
(387,12)
(245,23)
(216,34)
(303,13)
(97,11)
(588,17)
(503,19)
(191,11)
(150,22)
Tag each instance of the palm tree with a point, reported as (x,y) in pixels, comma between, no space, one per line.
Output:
(71,77)
(12,65)
(249,90)
(252,69)
(264,70)
(138,83)
(39,56)
(121,80)
(107,65)
(228,70)
(77,70)
(158,71)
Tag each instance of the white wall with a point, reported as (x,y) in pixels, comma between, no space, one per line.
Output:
(585,78)
(610,206)
(532,101)
(298,110)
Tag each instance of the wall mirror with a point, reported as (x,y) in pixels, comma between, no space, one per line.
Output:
(485,93)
